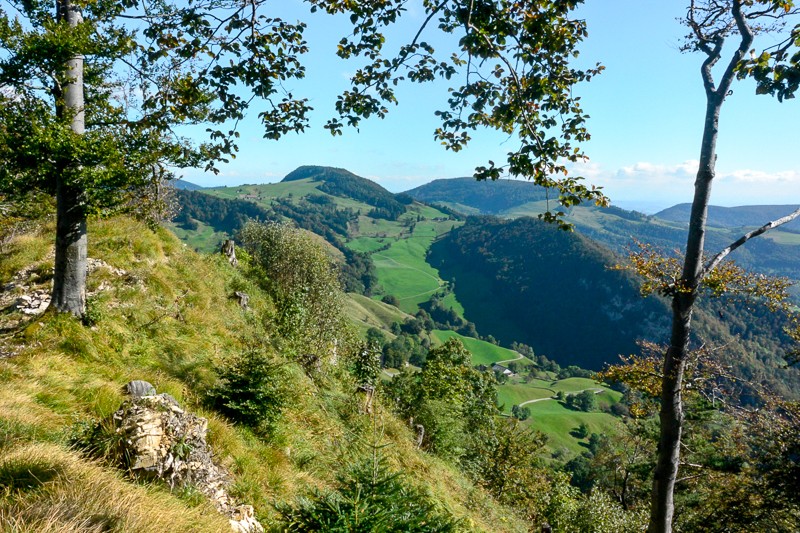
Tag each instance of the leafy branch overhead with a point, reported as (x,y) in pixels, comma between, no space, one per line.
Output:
(514,64)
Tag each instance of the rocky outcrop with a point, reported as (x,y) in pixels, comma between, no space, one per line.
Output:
(30,289)
(229,250)
(162,440)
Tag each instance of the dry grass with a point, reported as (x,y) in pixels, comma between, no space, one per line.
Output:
(169,321)
(48,489)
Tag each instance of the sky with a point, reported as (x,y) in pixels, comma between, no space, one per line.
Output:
(646,110)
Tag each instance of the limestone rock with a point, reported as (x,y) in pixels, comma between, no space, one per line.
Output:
(34,303)
(243,298)
(163,440)
(138,388)
(229,250)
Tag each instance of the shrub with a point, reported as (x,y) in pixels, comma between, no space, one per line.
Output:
(369,498)
(297,273)
(253,390)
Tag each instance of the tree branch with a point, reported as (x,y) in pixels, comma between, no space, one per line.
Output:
(744,45)
(711,265)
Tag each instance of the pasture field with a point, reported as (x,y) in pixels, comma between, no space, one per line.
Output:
(557,422)
(203,239)
(368,244)
(403,272)
(483,353)
(511,394)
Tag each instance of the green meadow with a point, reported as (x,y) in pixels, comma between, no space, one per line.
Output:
(557,422)
(483,353)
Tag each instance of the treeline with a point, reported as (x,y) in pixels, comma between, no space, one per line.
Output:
(317,214)
(223,215)
(488,197)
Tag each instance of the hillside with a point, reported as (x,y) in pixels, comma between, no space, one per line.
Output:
(165,314)
(528,282)
(345,184)
(408,263)
(733,217)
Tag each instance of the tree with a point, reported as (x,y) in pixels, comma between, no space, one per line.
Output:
(710,23)
(93,94)
(521,413)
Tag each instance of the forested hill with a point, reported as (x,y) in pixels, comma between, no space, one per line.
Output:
(345,184)
(734,217)
(776,253)
(479,197)
(525,281)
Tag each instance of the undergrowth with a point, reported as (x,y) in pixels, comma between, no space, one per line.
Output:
(168,316)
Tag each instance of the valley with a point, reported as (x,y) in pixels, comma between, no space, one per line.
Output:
(509,278)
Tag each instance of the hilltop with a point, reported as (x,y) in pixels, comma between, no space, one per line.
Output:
(479,197)
(734,217)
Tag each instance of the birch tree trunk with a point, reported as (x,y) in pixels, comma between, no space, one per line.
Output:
(69,281)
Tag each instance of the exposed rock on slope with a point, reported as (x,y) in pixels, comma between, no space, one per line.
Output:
(160,439)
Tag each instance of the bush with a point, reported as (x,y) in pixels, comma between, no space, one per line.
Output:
(253,390)
(581,432)
(303,282)
(391,299)
(369,498)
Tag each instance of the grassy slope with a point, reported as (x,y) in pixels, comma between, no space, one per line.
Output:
(556,421)
(483,353)
(368,313)
(402,269)
(169,321)
(552,417)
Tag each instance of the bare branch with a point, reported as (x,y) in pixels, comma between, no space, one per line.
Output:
(717,259)
(745,43)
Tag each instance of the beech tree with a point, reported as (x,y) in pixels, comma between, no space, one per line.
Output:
(95,95)
(712,23)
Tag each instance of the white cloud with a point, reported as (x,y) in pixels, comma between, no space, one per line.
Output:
(767,178)
(666,185)
(685,170)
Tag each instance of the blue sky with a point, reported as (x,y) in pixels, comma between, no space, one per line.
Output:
(646,120)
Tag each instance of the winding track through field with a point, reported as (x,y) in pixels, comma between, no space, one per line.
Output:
(399,264)
(596,391)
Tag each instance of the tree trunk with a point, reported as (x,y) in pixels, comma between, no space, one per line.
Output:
(69,281)
(671,414)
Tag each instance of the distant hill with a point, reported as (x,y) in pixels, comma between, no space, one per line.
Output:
(343,183)
(734,217)
(775,253)
(490,198)
(526,281)
(184,185)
